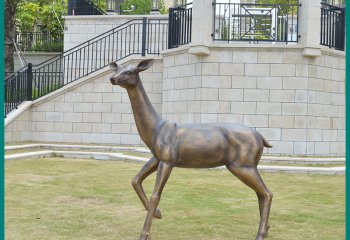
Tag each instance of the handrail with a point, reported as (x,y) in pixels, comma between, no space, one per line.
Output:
(97,7)
(138,36)
(87,42)
(16,89)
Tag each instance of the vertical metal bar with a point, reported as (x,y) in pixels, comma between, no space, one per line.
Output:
(6,98)
(57,80)
(190,25)
(88,56)
(233,21)
(139,37)
(170,27)
(76,64)
(113,46)
(144,29)
(159,38)
(342,32)
(80,60)
(333,28)
(149,37)
(99,49)
(51,76)
(322,25)
(126,36)
(109,48)
(95,60)
(104,51)
(29,81)
(18,89)
(71,69)
(229,23)
(328,28)
(121,43)
(117,45)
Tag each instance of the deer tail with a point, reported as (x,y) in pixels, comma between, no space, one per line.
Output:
(266,143)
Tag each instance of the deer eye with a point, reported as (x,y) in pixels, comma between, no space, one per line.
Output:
(127,72)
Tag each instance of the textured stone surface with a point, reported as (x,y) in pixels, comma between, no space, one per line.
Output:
(296,102)
(91,113)
(281,93)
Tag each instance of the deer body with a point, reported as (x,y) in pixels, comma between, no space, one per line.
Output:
(237,147)
(206,145)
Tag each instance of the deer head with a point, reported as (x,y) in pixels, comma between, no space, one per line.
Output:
(128,76)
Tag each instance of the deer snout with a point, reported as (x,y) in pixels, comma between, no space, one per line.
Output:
(113,81)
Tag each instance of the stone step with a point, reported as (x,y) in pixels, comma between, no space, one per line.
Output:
(128,158)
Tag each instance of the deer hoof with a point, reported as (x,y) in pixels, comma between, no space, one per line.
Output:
(261,236)
(158,214)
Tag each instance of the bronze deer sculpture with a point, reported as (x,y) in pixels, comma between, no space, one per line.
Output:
(237,147)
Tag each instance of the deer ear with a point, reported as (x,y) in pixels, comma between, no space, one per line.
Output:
(145,64)
(114,66)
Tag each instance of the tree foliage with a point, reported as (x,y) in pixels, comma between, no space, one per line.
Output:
(48,14)
(141,7)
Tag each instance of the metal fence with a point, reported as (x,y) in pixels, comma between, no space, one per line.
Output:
(135,37)
(332,26)
(255,22)
(39,41)
(84,7)
(337,3)
(17,88)
(180,25)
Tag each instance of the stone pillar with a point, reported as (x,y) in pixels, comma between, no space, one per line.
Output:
(202,27)
(310,27)
(154,7)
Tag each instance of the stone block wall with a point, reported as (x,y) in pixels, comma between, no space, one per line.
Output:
(33,57)
(296,102)
(94,111)
(79,29)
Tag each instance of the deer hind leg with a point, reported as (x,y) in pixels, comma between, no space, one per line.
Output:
(251,177)
(163,174)
(149,168)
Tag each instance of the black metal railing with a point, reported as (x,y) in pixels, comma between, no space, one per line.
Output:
(17,88)
(39,41)
(337,3)
(332,26)
(256,22)
(135,37)
(84,7)
(180,25)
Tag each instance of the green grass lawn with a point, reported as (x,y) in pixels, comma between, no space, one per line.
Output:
(87,199)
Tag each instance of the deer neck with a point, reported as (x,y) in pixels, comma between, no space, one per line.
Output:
(146,117)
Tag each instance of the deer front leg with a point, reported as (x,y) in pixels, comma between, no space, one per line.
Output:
(163,174)
(149,168)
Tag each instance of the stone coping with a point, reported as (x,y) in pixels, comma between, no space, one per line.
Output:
(245,46)
(114,16)
(124,157)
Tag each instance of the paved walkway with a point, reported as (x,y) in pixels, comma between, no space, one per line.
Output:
(115,153)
